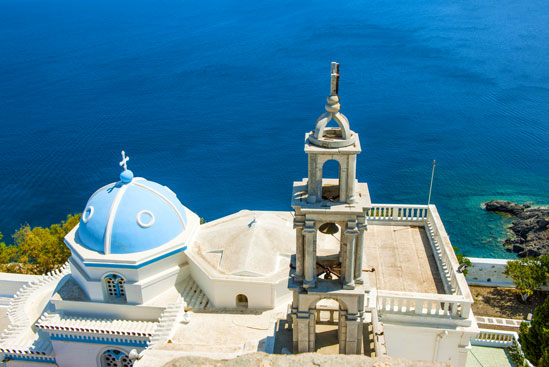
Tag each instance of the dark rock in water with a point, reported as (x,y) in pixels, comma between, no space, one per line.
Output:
(531,229)
(504,206)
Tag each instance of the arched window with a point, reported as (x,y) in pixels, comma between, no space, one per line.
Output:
(115,287)
(242,301)
(115,358)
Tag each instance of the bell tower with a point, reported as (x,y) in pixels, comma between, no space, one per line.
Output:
(328,208)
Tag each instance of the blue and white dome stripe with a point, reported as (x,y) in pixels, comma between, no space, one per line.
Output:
(132,215)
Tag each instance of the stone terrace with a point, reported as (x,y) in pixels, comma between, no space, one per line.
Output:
(402,258)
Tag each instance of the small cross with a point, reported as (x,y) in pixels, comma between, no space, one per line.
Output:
(124,161)
(334,90)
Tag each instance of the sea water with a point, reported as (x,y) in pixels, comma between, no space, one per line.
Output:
(213,98)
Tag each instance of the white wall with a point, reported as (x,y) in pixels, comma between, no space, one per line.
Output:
(71,354)
(488,272)
(108,310)
(222,292)
(141,284)
(420,343)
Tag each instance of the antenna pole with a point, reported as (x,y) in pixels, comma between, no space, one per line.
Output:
(431,187)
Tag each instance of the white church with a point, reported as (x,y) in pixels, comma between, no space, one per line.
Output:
(147,282)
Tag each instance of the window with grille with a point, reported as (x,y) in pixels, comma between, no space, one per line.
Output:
(115,358)
(115,287)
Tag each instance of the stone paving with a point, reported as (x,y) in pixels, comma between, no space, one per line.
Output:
(402,258)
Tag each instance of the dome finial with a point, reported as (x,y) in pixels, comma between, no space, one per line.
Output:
(126,176)
(333,105)
(335,79)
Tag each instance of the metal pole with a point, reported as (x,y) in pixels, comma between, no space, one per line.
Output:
(431,187)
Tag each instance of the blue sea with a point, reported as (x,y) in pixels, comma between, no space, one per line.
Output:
(213,98)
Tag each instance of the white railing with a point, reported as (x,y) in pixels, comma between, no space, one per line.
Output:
(445,256)
(458,300)
(494,338)
(498,339)
(397,213)
(380,346)
(437,305)
(21,316)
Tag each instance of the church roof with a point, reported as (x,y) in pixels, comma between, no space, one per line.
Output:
(131,215)
(251,244)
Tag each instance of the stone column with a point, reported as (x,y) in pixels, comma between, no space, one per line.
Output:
(312,180)
(351,235)
(309,234)
(312,330)
(351,178)
(343,179)
(359,251)
(318,176)
(299,223)
(353,343)
(342,331)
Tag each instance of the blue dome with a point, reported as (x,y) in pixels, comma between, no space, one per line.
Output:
(133,216)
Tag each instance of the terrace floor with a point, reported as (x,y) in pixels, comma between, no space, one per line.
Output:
(488,357)
(402,258)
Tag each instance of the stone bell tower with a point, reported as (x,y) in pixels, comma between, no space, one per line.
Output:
(330,208)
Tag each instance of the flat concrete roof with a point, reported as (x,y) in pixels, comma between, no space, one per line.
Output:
(402,258)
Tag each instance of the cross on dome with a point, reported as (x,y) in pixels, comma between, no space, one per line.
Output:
(126,176)
(124,161)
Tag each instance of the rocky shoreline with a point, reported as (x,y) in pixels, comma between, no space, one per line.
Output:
(531,229)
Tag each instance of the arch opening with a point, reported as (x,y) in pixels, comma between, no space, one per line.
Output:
(329,314)
(328,259)
(331,169)
(114,288)
(242,301)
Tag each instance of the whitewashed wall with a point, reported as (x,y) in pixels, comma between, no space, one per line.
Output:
(222,292)
(71,354)
(420,343)
(488,272)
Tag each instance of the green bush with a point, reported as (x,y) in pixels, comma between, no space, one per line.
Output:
(528,274)
(37,250)
(534,336)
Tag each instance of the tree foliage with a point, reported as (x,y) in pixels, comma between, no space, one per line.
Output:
(37,250)
(462,260)
(534,336)
(528,273)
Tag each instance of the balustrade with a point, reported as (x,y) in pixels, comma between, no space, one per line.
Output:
(396,212)
(446,305)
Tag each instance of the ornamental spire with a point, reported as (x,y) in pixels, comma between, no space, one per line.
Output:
(333,105)
(334,90)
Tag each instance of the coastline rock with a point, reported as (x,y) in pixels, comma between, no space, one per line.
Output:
(531,229)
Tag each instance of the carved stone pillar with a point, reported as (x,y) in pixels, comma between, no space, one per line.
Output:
(359,251)
(351,234)
(309,234)
(351,178)
(299,223)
